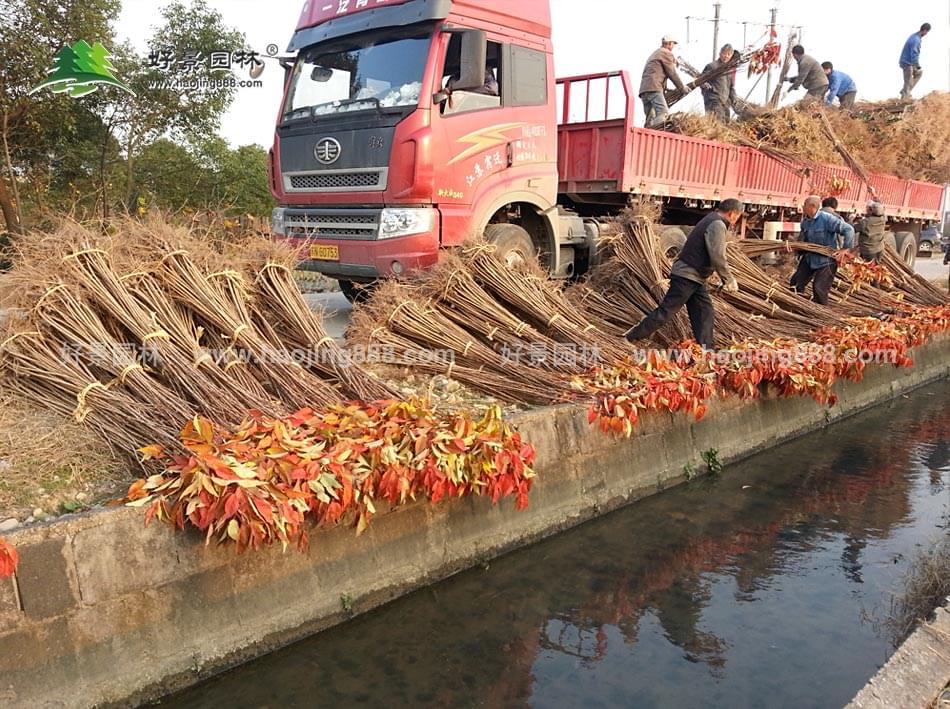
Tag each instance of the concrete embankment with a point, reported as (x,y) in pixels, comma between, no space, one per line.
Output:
(105,611)
(916,674)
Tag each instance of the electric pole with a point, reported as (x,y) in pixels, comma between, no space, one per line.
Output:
(768,77)
(716,7)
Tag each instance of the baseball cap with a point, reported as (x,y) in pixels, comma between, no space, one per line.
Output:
(669,38)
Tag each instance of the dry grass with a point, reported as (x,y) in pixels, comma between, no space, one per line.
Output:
(926,587)
(912,141)
(46,461)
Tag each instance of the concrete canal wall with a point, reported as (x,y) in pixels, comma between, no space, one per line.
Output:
(105,611)
(916,674)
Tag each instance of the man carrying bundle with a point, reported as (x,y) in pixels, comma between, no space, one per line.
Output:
(719,94)
(821,228)
(703,253)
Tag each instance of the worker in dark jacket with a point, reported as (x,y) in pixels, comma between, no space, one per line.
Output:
(719,95)
(910,60)
(840,86)
(810,75)
(822,228)
(871,233)
(659,67)
(703,254)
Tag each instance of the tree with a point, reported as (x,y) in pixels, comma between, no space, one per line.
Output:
(156,110)
(38,126)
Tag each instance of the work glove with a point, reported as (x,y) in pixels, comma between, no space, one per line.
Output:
(730,286)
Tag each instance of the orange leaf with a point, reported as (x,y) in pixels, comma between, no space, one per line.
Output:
(8,559)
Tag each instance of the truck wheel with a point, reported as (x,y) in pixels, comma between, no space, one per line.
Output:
(355,293)
(513,244)
(906,247)
(672,239)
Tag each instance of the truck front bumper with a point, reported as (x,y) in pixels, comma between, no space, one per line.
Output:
(346,243)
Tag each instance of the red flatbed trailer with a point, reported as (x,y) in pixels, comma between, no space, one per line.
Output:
(602,155)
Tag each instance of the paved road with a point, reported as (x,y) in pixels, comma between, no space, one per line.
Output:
(336,311)
(932,268)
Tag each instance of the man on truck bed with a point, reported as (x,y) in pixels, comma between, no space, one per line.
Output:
(703,253)
(910,60)
(840,86)
(659,67)
(719,95)
(822,228)
(810,75)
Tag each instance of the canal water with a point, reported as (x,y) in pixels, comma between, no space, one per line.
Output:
(750,589)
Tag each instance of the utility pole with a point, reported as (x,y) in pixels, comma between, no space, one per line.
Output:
(768,77)
(716,7)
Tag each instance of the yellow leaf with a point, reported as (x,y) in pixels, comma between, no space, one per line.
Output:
(233,529)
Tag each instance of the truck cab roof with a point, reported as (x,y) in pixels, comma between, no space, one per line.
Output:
(327,19)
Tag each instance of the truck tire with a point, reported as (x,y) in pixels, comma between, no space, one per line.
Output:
(889,240)
(672,239)
(513,244)
(355,293)
(906,247)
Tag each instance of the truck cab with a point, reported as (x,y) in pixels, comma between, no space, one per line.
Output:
(410,125)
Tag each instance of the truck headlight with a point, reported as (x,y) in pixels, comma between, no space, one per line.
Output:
(403,222)
(277,221)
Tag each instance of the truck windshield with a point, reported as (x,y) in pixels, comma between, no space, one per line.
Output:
(378,69)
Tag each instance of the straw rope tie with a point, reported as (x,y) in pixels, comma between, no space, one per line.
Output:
(326,341)
(82,411)
(239,330)
(159,334)
(49,292)
(491,333)
(396,310)
(176,252)
(204,358)
(15,335)
(83,252)
(227,274)
(126,370)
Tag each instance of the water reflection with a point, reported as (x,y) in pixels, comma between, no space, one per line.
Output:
(735,591)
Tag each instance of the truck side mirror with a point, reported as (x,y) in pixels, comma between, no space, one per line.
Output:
(472,73)
(321,74)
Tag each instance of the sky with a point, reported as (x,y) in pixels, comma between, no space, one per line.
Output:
(604,35)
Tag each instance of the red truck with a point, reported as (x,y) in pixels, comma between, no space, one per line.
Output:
(409,125)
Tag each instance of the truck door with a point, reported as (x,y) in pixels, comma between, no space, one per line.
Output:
(494,139)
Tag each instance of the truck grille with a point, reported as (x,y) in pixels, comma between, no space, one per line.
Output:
(332,223)
(335,180)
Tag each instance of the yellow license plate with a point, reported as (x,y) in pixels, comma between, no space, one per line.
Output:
(325,253)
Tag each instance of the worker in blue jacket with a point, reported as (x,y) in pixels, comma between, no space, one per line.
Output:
(821,228)
(910,60)
(840,85)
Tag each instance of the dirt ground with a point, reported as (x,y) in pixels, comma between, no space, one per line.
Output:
(50,466)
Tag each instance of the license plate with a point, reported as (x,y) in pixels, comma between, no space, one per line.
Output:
(325,253)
